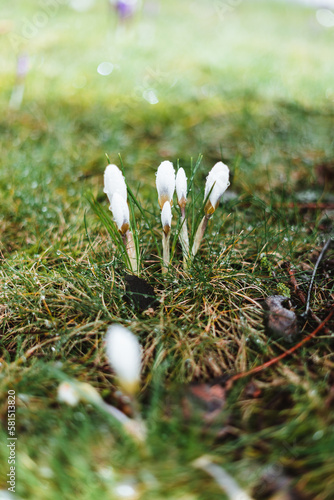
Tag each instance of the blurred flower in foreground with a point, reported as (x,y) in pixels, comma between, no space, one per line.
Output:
(74,392)
(226,482)
(68,394)
(124,355)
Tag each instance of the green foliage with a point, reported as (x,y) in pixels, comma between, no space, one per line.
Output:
(282,289)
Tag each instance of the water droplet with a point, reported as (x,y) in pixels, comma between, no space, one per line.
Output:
(105,68)
(46,472)
(106,472)
(78,415)
(318,435)
(150,96)
(125,491)
(325,17)
(81,5)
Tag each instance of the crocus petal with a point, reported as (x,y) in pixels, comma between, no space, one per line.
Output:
(165,182)
(181,186)
(217,182)
(120,211)
(67,393)
(124,355)
(166,216)
(114,182)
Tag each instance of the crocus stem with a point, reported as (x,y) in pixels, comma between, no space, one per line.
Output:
(184,239)
(226,482)
(165,251)
(131,251)
(135,427)
(199,235)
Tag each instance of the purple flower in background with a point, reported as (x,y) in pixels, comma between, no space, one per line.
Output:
(22,66)
(126,8)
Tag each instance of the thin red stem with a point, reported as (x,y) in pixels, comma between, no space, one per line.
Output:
(283,355)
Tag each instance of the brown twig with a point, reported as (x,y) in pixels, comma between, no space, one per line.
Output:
(301,295)
(321,255)
(294,283)
(281,356)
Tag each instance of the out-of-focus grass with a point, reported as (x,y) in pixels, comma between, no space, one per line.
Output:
(254,89)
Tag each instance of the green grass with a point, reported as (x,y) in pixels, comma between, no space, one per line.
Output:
(255,90)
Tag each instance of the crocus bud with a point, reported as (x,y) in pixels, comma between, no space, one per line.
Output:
(181,187)
(73,392)
(165,182)
(166,217)
(120,211)
(217,182)
(124,355)
(114,182)
(68,393)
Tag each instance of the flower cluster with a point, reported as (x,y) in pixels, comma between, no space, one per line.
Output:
(216,184)
(115,187)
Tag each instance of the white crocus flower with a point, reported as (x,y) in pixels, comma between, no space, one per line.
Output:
(165,182)
(120,211)
(181,187)
(73,392)
(67,393)
(216,184)
(115,187)
(124,355)
(114,182)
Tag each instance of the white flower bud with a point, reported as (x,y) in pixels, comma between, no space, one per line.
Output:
(114,182)
(124,355)
(120,211)
(181,187)
(67,393)
(166,217)
(165,182)
(217,182)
